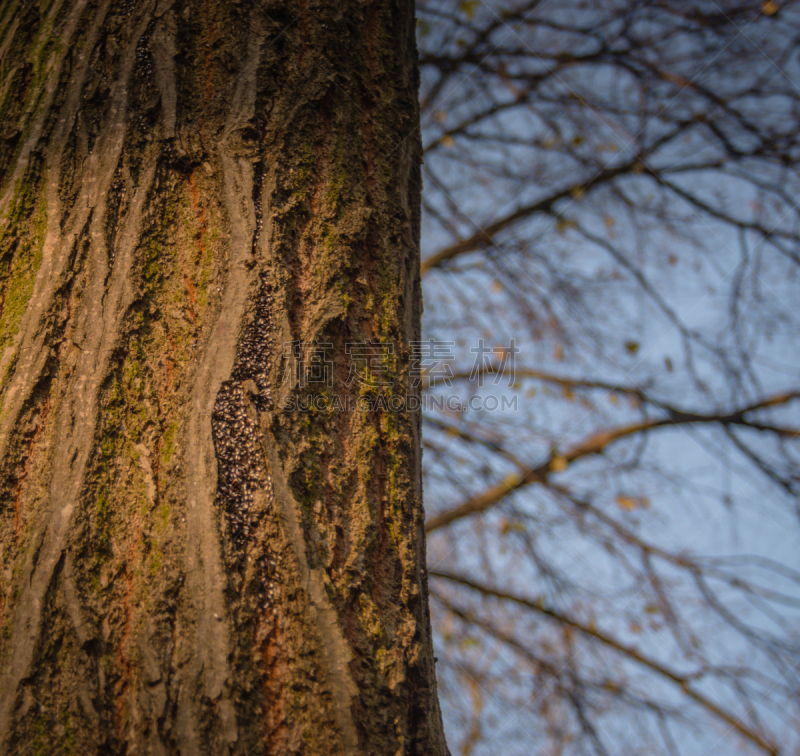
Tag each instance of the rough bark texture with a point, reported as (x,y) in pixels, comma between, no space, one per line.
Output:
(188,567)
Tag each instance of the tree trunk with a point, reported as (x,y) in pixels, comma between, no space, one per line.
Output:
(192,562)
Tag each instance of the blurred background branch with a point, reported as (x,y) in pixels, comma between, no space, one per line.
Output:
(613,186)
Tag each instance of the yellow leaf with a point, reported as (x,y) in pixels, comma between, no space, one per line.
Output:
(632,346)
(497,286)
(467,7)
(475,690)
(629,503)
(769,7)
(609,221)
(564,224)
(558,464)
(448,141)
(626,502)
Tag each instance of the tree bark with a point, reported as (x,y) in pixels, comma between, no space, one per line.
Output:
(190,563)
